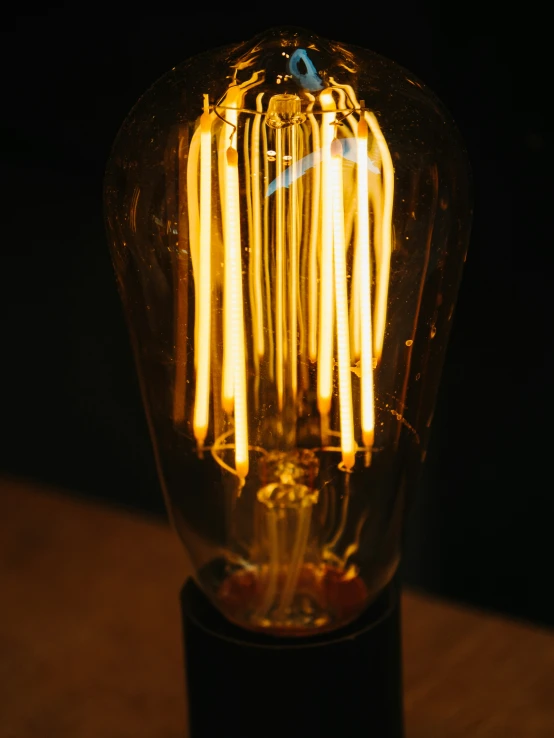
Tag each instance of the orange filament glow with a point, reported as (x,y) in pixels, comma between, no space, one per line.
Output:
(314,240)
(385,246)
(229,235)
(317,265)
(348,444)
(256,246)
(326,303)
(363,285)
(236,320)
(280,328)
(202,348)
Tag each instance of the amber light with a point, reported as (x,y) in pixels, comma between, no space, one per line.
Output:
(348,322)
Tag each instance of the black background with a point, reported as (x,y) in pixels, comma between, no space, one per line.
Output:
(71,413)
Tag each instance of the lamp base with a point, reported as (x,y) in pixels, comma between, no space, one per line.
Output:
(243,684)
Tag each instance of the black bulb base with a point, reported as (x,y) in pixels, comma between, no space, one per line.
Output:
(242,684)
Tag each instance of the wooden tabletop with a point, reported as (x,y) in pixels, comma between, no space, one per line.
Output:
(90,643)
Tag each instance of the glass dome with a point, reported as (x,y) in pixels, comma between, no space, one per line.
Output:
(289,219)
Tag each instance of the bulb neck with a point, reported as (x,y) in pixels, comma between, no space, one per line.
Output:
(347,682)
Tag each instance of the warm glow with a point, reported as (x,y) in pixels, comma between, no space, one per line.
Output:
(280,328)
(317,262)
(385,245)
(343,343)
(235,338)
(203,336)
(363,289)
(229,179)
(326,303)
(288,293)
(256,244)
(293,271)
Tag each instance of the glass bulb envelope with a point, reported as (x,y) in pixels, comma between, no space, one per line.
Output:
(289,218)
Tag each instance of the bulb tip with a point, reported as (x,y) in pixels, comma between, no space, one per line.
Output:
(242,470)
(205,122)
(232,157)
(324,406)
(348,459)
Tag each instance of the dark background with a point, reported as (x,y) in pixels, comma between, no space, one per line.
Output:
(71,412)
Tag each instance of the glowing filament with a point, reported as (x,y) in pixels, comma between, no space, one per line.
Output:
(204,257)
(257,314)
(228,236)
(355,330)
(363,283)
(194,219)
(234,340)
(293,332)
(348,445)
(181,307)
(314,240)
(383,249)
(299,300)
(280,329)
(326,303)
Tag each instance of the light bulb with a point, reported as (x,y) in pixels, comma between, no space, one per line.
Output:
(289,219)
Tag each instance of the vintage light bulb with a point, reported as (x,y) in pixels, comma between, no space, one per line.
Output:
(289,219)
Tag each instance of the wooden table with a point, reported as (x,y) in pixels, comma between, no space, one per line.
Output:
(90,636)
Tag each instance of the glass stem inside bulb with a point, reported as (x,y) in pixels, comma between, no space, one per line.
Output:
(285,525)
(302,573)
